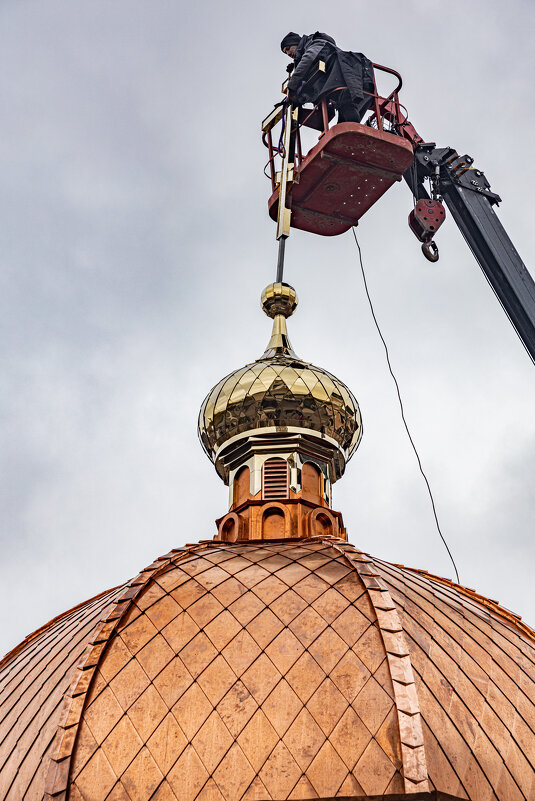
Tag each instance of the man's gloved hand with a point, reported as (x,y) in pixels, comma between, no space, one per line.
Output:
(294,92)
(290,67)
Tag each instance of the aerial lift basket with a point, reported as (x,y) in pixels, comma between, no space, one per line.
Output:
(345,173)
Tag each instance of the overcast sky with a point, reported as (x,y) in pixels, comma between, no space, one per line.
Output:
(135,243)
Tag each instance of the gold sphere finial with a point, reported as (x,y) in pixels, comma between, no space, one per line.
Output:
(279,299)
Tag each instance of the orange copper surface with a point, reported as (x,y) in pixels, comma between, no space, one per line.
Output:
(274,670)
(34,679)
(296,517)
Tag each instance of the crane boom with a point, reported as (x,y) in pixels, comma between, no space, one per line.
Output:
(466,192)
(328,189)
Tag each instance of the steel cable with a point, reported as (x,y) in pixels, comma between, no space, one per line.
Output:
(402,408)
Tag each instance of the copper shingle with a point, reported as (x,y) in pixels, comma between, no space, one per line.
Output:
(323,673)
(35,678)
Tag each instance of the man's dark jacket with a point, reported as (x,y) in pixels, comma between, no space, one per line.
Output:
(343,68)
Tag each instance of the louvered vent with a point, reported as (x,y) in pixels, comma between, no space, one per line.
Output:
(275,479)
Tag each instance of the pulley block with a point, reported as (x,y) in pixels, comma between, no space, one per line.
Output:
(426,218)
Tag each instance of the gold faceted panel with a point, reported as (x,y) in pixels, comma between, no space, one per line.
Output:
(280,391)
(227,681)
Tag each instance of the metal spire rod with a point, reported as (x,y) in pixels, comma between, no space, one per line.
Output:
(280,259)
(286,178)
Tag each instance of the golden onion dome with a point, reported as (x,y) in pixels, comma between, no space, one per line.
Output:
(279,392)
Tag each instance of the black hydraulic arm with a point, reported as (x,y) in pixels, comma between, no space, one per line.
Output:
(468,197)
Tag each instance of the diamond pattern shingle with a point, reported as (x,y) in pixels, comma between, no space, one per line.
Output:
(97,777)
(223,629)
(188,775)
(237,707)
(258,739)
(147,712)
(191,710)
(305,676)
(280,772)
(205,609)
(304,738)
(154,656)
(311,587)
(217,679)
(350,675)
(142,776)
(234,773)
(307,626)
(327,705)
(328,649)
(287,606)
(166,743)
(350,737)
(245,608)
(212,741)
(284,650)
(241,697)
(281,706)
(265,627)
(374,769)
(270,588)
(241,652)
(261,678)
(180,631)
(198,654)
(298,672)
(327,771)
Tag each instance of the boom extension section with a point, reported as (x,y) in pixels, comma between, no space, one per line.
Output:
(467,194)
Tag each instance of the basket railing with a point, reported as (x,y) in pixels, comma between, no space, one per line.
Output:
(320,117)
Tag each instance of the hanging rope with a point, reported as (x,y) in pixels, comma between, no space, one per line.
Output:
(402,409)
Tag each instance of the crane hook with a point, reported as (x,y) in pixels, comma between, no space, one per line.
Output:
(430,250)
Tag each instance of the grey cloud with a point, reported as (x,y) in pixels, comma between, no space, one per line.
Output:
(135,244)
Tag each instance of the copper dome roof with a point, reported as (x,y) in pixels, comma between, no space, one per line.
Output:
(273,670)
